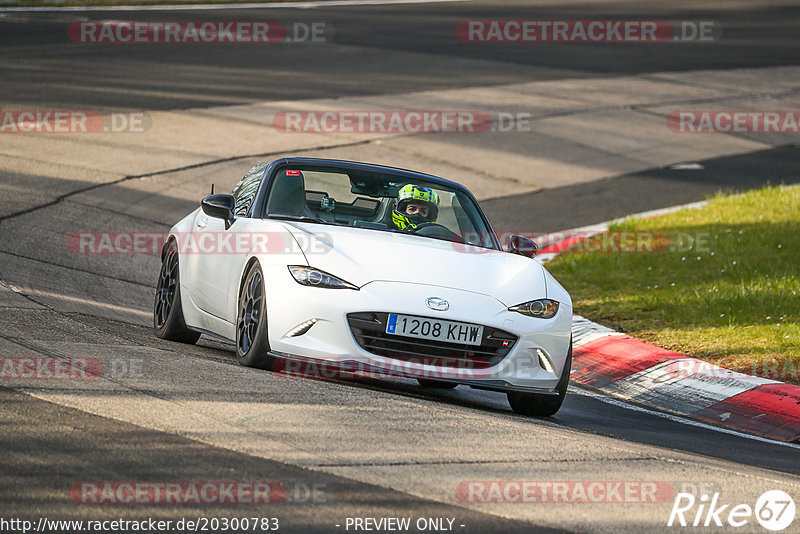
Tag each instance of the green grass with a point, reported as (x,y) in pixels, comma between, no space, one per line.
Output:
(732,299)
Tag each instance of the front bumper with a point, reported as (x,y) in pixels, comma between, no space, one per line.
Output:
(333,339)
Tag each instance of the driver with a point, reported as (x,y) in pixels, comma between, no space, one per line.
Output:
(415,207)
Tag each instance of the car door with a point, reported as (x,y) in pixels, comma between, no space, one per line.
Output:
(214,254)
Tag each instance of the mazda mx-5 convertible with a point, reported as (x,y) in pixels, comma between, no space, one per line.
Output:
(367,268)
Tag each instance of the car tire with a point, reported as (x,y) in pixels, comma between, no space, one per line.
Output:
(436,384)
(252,340)
(168,321)
(542,405)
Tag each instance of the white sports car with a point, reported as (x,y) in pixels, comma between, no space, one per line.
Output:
(372,269)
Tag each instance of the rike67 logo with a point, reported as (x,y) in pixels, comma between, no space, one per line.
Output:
(774,510)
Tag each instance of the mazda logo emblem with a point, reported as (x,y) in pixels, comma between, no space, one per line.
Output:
(438,304)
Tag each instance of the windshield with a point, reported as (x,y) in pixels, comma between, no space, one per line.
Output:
(379,202)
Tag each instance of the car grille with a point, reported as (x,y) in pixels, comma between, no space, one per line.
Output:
(369,329)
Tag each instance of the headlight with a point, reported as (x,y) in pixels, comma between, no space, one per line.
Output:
(308,276)
(542,308)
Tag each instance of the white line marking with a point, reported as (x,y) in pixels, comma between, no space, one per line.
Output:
(687,167)
(250,5)
(677,419)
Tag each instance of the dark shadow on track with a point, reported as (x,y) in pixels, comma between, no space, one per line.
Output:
(579,205)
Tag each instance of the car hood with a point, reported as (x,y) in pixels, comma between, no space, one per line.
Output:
(360,256)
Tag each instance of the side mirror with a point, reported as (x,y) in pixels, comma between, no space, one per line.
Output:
(220,207)
(523,246)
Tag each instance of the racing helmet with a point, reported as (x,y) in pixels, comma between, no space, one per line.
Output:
(419,195)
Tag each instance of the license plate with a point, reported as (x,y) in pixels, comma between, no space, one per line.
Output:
(436,329)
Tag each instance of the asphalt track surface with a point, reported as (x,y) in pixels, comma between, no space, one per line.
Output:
(39,69)
(48,446)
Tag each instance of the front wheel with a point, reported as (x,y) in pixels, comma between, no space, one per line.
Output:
(542,405)
(168,322)
(252,343)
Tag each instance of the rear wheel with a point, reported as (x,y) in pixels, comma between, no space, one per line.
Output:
(542,405)
(168,322)
(436,384)
(252,343)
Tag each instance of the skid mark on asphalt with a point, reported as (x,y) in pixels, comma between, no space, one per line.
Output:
(72,268)
(92,187)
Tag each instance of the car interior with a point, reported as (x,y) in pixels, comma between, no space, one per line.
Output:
(353,200)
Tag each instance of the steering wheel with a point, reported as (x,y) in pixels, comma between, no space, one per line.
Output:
(437,231)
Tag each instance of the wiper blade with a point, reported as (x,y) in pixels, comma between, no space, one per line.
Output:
(303,218)
(296,218)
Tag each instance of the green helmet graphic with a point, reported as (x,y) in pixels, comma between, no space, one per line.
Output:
(416,194)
